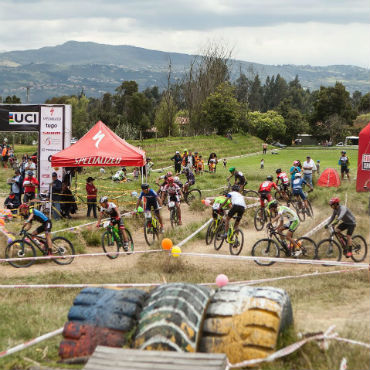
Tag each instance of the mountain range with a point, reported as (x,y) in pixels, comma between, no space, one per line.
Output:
(98,68)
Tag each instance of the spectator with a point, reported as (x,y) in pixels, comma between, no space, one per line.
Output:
(262,164)
(190,160)
(92,192)
(12,202)
(308,167)
(318,167)
(56,192)
(177,159)
(30,166)
(68,202)
(225,162)
(16,185)
(29,183)
(344,164)
(136,173)
(293,170)
(5,155)
(264,148)
(22,166)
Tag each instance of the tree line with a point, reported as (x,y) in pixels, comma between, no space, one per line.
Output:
(207,100)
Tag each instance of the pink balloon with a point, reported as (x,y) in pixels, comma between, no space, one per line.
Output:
(221,280)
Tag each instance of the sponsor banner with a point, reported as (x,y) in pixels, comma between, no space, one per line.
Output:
(51,141)
(365,162)
(19,117)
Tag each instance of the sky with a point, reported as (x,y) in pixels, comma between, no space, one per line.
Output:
(316,32)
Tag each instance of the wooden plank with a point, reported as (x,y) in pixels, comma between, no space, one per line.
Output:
(109,358)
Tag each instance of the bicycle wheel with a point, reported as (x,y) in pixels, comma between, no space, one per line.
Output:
(62,247)
(130,241)
(250,193)
(192,195)
(308,248)
(309,210)
(265,248)
(299,210)
(278,196)
(109,245)
(210,232)
(237,246)
(173,217)
(20,249)
(150,233)
(259,218)
(219,236)
(359,248)
(329,250)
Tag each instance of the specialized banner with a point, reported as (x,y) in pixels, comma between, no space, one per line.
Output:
(51,141)
(19,117)
(363,164)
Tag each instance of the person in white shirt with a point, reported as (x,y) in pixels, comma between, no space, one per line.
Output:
(30,166)
(238,207)
(308,166)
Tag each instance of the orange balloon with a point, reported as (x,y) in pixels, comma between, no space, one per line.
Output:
(2,223)
(167,244)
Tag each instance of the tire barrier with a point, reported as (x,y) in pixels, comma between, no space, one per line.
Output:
(244,322)
(172,318)
(100,316)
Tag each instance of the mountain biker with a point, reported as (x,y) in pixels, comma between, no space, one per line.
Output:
(174,193)
(30,214)
(238,207)
(164,183)
(239,178)
(216,205)
(152,201)
(190,179)
(265,190)
(344,163)
(298,191)
(348,221)
(283,211)
(112,211)
(283,177)
(177,181)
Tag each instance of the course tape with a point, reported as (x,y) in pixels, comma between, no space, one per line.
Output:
(327,335)
(143,285)
(31,342)
(194,233)
(75,256)
(317,228)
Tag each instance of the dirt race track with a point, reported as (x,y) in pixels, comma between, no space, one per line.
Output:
(308,317)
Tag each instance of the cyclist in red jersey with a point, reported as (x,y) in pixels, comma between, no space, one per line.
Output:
(285,182)
(265,190)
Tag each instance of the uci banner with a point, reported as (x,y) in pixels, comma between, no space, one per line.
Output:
(19,117)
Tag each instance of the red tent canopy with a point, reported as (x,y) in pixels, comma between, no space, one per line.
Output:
(99,147)
(363,164)
(329,178)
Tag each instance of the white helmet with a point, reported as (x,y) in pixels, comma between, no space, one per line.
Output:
(298,174)
(176,179)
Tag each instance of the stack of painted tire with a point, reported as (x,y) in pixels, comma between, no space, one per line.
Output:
(100,316)
(243,322)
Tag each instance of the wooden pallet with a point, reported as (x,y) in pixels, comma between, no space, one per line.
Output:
(109,358)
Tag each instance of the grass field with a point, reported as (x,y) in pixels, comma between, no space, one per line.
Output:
(341,299)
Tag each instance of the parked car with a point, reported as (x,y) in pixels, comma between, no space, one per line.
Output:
(340,144)
(279,145)
(74,140)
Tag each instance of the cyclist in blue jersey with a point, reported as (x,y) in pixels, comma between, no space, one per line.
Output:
(190,179)
(30,214)
(152,201)
(297,188)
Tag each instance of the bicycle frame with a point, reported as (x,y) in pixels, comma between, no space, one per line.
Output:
(342,239)
(280,239)
(31,239)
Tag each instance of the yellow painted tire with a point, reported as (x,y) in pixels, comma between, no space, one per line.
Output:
(244,322)
(172,318)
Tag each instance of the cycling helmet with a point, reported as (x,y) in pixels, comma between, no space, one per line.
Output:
(144,186)
(272,204)
(24,206)
(278,170)
(298,174)
(169,174)
(334,200)
(344,152)
(185,170)
(235,188)
(103,199)
(29,173)
(170,180)
(269,178)
(231,169)
(134,194)
(176,179)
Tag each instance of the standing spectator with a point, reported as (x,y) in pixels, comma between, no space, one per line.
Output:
(177,159)
(190,160)
(200,165)
(264,148)
(92,192)
(30,166)
(308,167)
(262,164)
(212,162)
(16,185)
(56,192)
(136,173)
(12,202)
(68,202)
(5,155)
(344,164)
(293,170)
(29,183)
(22,166)
(224,162)
(318,167)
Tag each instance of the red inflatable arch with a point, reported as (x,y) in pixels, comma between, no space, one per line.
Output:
(363,164)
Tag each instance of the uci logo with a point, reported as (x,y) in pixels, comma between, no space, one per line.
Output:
(23,118)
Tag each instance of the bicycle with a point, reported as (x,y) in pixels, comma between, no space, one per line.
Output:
(275,242)
(279,194)
(151,227)
(235,238)
(174,217)
(332,250)
(248,193)
(261,217)
(192,195)
(111,240)
(211,230)
(300,207)
(27,245)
